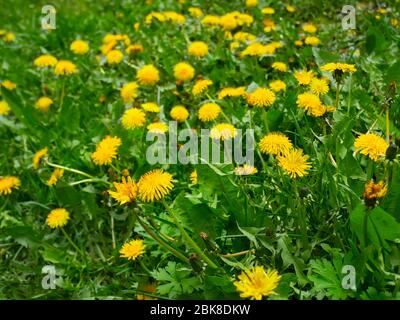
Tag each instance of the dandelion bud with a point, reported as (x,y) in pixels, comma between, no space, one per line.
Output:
(196,263)
(303,192)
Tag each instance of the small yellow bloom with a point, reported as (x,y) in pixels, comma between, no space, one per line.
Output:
(132,249)
(311,103)
(374,191)
(279,66)
(245,170)
(55,176)
(268,10)
(106,150)
(114,57)
(198,49)
(372,145)
(9,37)
(126,191)
(193,177)
(183,71)
(38,157)
(4,108)
(277,85)
(232,92)
(157,127)
(148,75)
(343,67)
(43,104)
(294,163)
(251,3)
(200,86)
(261,97)
(304,77)
(134,48)
(45,60)
(310,28)
(65,67)
(312,41)
(223,131)
(275,143)
(133,118)
(209,112)
(79,47)
(179,113)
(151,107)
(8,183)
(195,12)
(57,218)
(129,92)
(319,86)
(255,283)
(154,185)
(9,85)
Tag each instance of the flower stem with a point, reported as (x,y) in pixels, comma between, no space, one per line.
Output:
(387,125)
(161,241)
(188,238)
(71,170)
(337,94)
(365,227)
(71,242)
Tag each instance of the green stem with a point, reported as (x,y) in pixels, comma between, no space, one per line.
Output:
(337,94)
(62,94)
(387,125)
(71,170)
(265,120)
(88,180)
(349,97)
(161,241)
(72,243)
(188,238)
(365,227)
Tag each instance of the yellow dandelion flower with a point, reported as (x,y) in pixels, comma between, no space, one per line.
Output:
(129,92)
(311,103)
(55,176)
(126,191)
(294,163)
(209,112)
(319,86)
(304,77)
(309,28)
(37,158)
(151,107)
(8,183)
(179,113)
(157,127)
(79,47)
(195,12)
(312,41)
(43,104)
(268,10)
(232,92)
(193,177)
(275,143)
(9,85)
(372,145)
(183,71)
(290,8)
(9,37)
(256,283)
(298,43)
(57,218)
(269,25)
(374,191)
(198,49)
(337,66)
(106,150)
(133,118)
(148,75)
(223,131)
(155,185)
(277,85)
(279,66)
(4,108)
(244,36)
(114,57)
(134,48)
(200,86)
(65,67)
(210,20)
(245,170)
(132,249)
(261,97)
(45,60)
(251,3)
